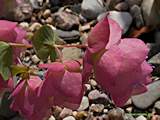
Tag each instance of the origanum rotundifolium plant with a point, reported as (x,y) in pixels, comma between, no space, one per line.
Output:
(118,64)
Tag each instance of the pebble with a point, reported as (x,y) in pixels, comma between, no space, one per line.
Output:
(65,112)
(146,99)
(49,20)
(35,26)
(116,114)
(71,53)
(93,83)
(69,118)
(35,59)
(46,13)
(91,10)
(141,118)
(68,36)
(94,94)
(65,20)
(84,104)
(98,108)
(24,25)
(52,118)
(56,111)
(135,10)
(124,19)
(157,107)
(134,2)
(122,6)
(129,117)
(151,12)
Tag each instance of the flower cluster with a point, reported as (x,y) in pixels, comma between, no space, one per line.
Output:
(118,64)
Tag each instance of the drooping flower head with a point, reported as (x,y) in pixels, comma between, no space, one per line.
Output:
(119,64)
(9,32)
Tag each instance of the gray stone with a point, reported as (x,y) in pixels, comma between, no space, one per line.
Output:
(68,36)
(151,12)
(15,10)
(135,11)
(94,94)
(52,118)
(35,26)
(65,20)
(146,99)
(134,2)
(98,108)
(141,118)
(122,6)
(69,118)
(116,114)
(92,8)
(129,117)
(65,112)
(157,107)
(71,53)
(35,59)
(124,19)
(84,104)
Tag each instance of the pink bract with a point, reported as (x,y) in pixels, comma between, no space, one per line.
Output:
(119,66)
(9,32)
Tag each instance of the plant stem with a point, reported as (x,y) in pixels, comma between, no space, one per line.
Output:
(20,45)
(58,46)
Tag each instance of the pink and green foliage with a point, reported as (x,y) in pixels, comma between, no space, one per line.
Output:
(119,66)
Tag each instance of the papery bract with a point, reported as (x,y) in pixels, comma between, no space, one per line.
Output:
(25,95)
(120,67)
(64,83)
(9,32)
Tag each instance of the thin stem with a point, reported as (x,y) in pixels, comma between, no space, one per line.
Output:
(63,46)
(20,45)
(58,46)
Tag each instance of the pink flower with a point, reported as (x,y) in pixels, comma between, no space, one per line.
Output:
(119,64)
(63,83)
(24,97)
(9,32)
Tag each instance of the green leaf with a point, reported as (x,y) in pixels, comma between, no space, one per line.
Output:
(53,55)
(43,41)
(5,60)
(19,70)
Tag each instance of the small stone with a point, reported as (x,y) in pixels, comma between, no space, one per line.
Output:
(129,109)
(124,19)
(93,83)
(122,6)
(24,25)
(98,108)
(26,59)
(85,27)
(71,53)
(157,107)
(151,12)
(146,99)
(49,20)
(35,26)
(81,115)
(88,87)
(46,13)
(65,112)
(116,114)
(129,117)
(94,94)
(56,111)
(69,118)
(134,2)
(141,118)
(65,20)
(91,10)
(35,59)
(84,104)
(52,118)
(68,36)
(105,111)
(137,16)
